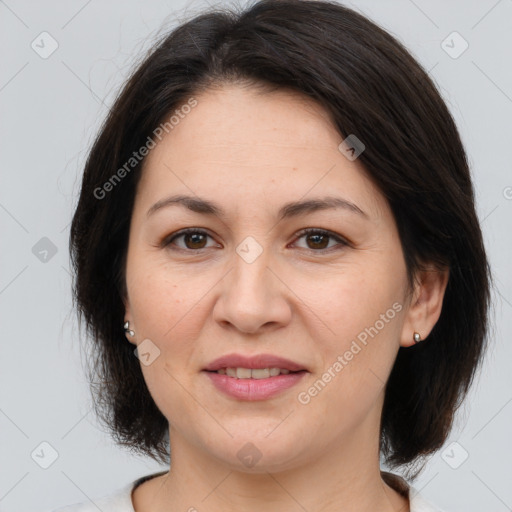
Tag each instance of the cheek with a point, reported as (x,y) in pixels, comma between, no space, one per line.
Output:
(167,309)
(163,300)
(363,315)
(356,301)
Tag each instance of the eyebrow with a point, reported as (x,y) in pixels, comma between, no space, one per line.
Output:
(288,210)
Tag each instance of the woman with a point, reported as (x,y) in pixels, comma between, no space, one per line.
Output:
(277,256)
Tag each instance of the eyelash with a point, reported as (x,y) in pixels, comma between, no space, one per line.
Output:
(307,231)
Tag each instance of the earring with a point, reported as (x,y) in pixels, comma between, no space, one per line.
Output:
(128,330)
(417,337)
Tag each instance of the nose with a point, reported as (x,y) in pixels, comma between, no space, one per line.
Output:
(253,296)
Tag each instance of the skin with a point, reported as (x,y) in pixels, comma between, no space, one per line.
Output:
(303,298)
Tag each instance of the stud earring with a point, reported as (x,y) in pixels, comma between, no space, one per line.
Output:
(128,330)
(417,337)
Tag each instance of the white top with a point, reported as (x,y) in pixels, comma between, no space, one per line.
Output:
(121,499)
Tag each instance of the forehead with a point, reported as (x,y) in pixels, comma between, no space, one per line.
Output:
(244,141)
(238,123)
(264,113)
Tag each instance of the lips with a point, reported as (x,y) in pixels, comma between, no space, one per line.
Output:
(258,361)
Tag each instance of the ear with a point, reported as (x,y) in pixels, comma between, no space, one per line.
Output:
(426,304)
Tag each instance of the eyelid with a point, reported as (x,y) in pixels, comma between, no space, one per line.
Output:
(341,240)
(311,230)
(170,238)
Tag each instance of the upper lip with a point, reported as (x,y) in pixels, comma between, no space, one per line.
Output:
(254,361)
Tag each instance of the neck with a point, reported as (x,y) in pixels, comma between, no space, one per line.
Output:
(346,479)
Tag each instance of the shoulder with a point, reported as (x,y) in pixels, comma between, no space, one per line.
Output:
(417,503)
(120,500)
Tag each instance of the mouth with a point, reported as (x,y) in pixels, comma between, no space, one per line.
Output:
(257,386)
(258,377)
(239,365)
(253,373)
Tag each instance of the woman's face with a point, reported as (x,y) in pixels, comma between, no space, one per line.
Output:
(247,281)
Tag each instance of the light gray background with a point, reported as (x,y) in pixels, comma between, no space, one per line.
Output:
(50,110)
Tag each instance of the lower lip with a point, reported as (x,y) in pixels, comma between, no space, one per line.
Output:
(254,389)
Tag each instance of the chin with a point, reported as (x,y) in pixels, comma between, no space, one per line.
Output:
(257,451)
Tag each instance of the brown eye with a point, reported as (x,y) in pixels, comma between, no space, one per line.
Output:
(318,240)
(196,240)
(193,239)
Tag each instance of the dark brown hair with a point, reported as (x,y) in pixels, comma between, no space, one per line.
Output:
(371,87)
